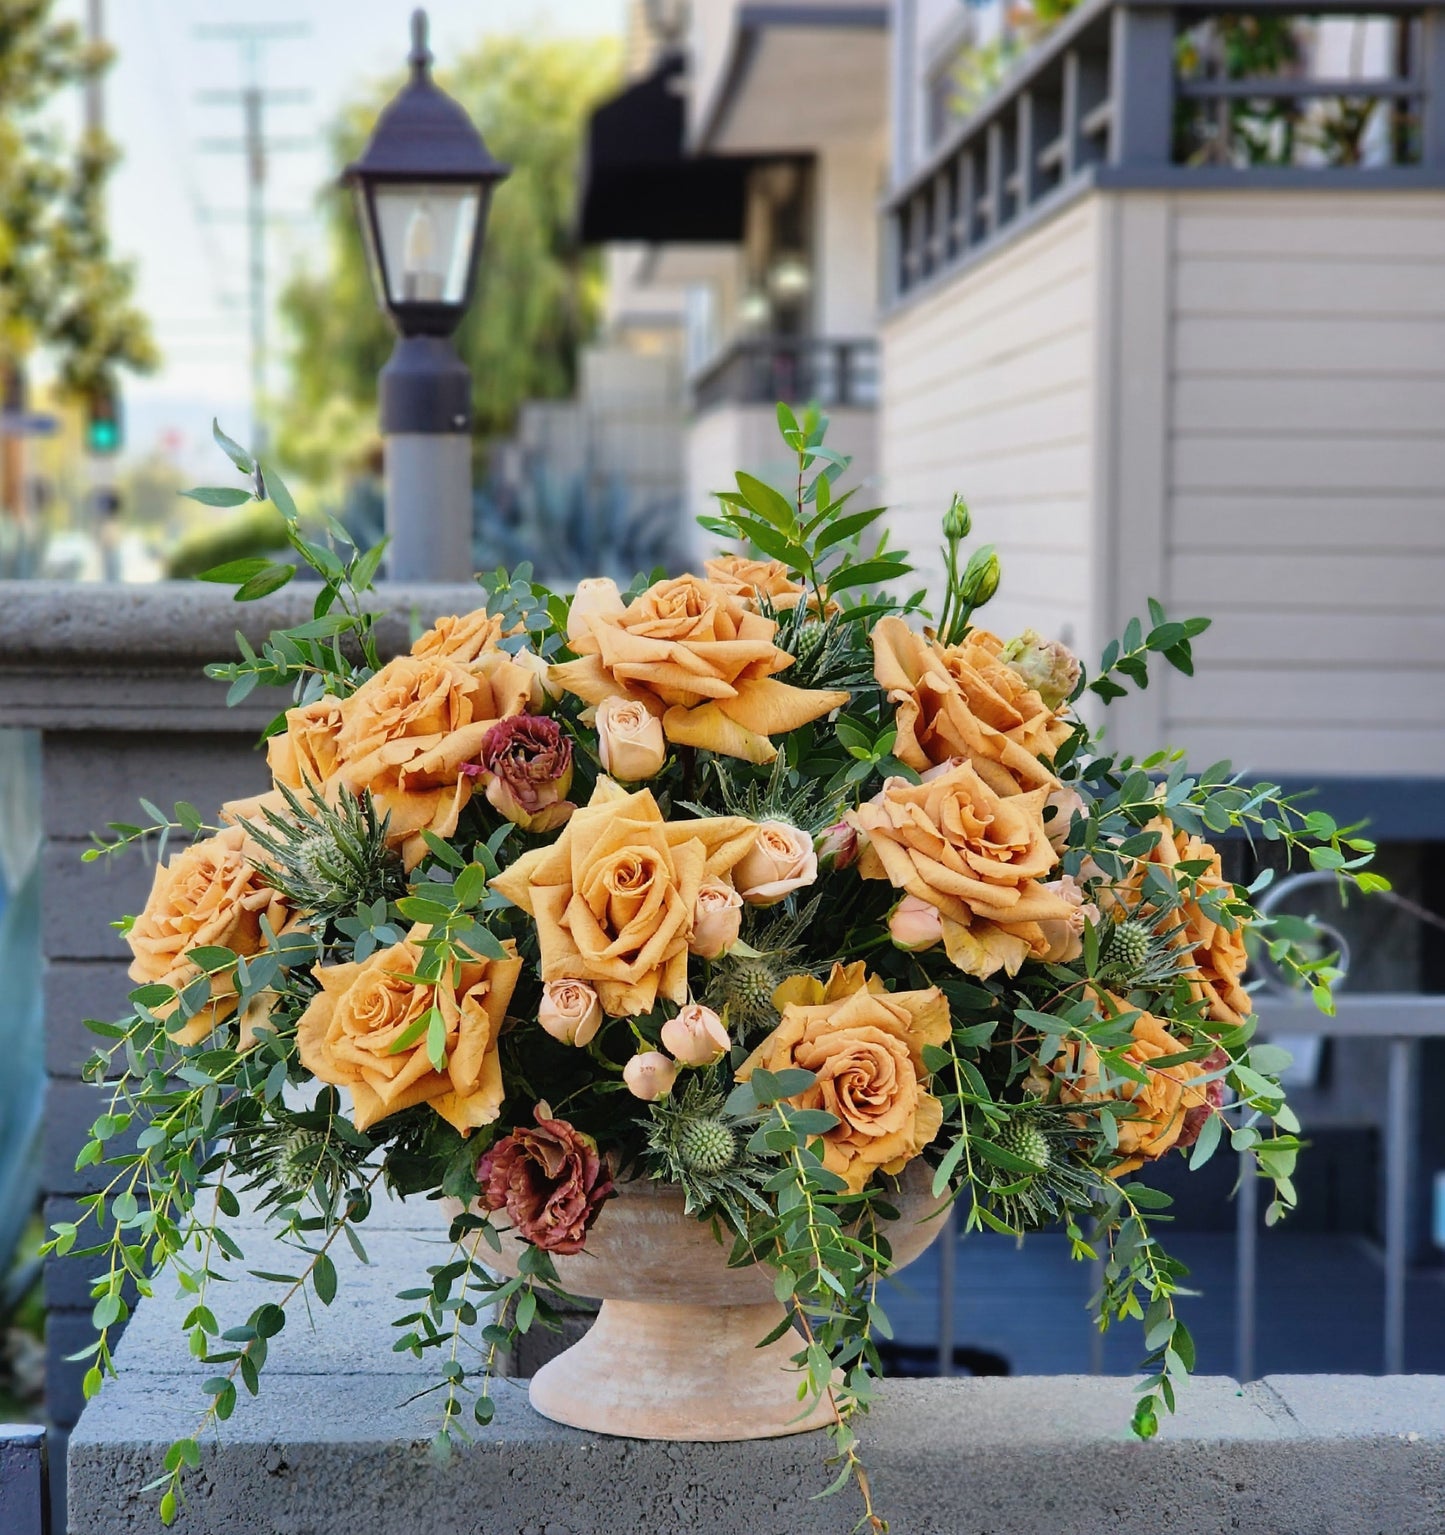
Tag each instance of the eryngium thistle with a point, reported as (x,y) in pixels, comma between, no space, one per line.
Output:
(300,1156)
(706,1146)
(1127,949)
(1027,1142)
(694,1142)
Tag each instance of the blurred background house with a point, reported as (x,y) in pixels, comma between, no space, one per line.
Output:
(1157,289)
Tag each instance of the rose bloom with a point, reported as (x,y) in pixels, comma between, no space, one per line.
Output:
(348,1034)
(963,701)
(597,594)
(526,767)
(649,1075)
(615,895)
(463,639)
(836,846)
(865,1047)
(751,579)
(915,925)
(698,654)
(1158,1107)
(570,1012)
(717,919)
(630,741)
(207,894)
(543,687)
(781,861)
(979,857)
(1066,804)
(1065,935)
(407,732)
(1219,956)
(696,1036)
(550,1181)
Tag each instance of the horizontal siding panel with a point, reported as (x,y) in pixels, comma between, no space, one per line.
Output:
(1061,358)
(1373,522)
(1308,404)
(1354,583)
(1329,750)
(1056,471)
(1406,642)
(1352,698)
(1251,284)
(948,415)
(1354,228)
(1280,345)
(1301,463)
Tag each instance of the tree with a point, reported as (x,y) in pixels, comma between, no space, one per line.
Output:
(60,286)
(538,295)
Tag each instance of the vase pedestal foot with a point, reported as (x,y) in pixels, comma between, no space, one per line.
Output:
(657,1371)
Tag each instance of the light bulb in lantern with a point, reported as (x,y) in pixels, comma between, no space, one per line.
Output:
(422,279)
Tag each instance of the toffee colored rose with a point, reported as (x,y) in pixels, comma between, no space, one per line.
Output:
(550,1181)
(1158,1106)
(865,1046)
(597,594)
(979,857)
(630,741)
(570,1012)
(649,1075)
(696,1036)
(1065,803)
(208,894)
(752,579)
(781,861)
(915,925)
(543,688)
(614,896)
(352,1034)
(963,701)
(462,638)
(697,654)
(526,770)
(717,919)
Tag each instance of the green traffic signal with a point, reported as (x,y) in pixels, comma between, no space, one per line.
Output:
(103,436)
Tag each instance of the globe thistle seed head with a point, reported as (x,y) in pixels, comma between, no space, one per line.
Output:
(706,1145)
(1027,1142)
(1127,949)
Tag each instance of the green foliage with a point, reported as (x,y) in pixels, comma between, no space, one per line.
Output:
(538,294)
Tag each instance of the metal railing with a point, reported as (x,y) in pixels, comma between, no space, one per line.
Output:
(764,370)
(1094,104)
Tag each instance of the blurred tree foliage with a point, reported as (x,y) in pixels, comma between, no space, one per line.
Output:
(60,286)
(538,294)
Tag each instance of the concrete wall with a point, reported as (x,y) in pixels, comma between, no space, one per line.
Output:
(989,389)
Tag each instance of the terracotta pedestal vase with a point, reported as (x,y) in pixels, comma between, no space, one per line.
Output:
(673,1353)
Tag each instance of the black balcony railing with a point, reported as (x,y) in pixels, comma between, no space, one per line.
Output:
(1124,93)
(764,370)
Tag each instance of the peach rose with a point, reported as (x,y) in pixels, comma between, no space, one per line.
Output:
(543,688)
(963,701)
(696,1036)
(697,654)
(366,1030)
(865,1048)
(915,925)
(463,639)
(649,1075)
(407,733)
(1065,803)
(614,896)
(596,595)
(570,1012)
(1218,954)
(1159,1105)
(979,857)
(305,753)
(752,579)
(1065,935)
(629,740)
(208,894)
(717,919)
(781,861)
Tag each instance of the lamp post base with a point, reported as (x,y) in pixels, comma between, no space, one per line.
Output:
(428,506)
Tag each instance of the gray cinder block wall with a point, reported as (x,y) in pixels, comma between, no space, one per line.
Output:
(112,678)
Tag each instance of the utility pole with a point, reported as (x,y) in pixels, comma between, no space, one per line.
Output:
(253,99)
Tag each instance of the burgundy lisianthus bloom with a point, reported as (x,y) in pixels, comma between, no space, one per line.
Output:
(550,1181)
(1213,1099)
(526,769)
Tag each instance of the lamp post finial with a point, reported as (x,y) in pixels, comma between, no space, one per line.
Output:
(421,56)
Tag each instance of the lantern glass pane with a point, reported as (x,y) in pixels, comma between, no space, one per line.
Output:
(425,232)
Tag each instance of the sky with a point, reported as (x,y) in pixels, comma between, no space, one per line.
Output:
(174,206)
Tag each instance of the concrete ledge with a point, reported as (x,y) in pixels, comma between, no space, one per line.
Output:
(338,1445)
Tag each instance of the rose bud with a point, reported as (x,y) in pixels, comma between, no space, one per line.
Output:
(597,595)
(542,688)
(1065,935)
(526,766)
(550,1181)
(629,740)
(649,1075)
(1066,803)
(957,523)
(915,925)
(780,861)
(696,1037)
(1049,668)
(836,846)
(570,1011)
(717,919)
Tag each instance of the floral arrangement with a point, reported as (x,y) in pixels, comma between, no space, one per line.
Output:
(762,882)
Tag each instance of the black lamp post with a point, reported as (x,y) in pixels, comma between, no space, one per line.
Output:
(423,185)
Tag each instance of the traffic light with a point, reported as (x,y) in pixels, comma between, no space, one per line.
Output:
(103,435)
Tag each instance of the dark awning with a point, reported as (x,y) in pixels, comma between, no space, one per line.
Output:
(638,183)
